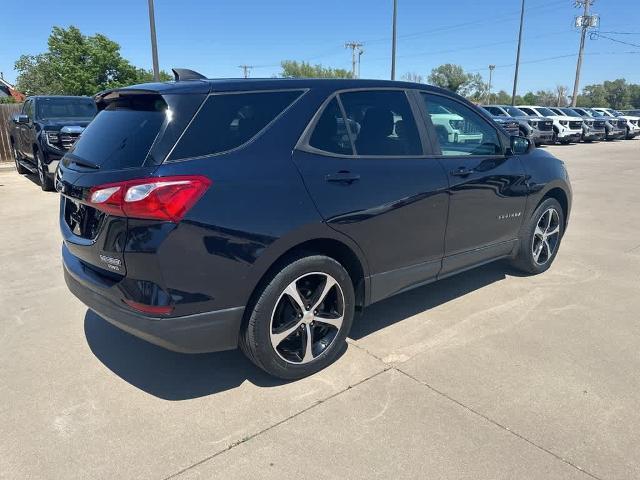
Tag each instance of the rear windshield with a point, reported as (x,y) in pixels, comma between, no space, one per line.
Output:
(227,121)
(65,107)
(121,135)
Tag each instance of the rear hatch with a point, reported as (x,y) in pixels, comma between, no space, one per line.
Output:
(129,138)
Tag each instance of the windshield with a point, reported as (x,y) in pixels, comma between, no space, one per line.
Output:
(595,113)
(545,112)
(121,135)
(437,109)
(515,112)
(571,113)
(66,107)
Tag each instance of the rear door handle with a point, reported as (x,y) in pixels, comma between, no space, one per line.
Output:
(461,172)
(342,177)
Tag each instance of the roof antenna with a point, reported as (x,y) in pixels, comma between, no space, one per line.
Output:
(181,74)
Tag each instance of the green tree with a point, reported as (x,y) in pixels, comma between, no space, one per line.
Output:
(449,76)
(617,93)
(294,69)
(593,96)
(530,98)
(501,98)
(77,64)
(454,78)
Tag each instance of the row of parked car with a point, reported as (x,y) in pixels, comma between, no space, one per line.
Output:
(551,125)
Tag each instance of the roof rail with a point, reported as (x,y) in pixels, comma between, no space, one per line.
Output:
(186,74)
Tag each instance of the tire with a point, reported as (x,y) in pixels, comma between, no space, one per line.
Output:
(45,181)
(275,337)
(533,236)
(628,135)
(16,158)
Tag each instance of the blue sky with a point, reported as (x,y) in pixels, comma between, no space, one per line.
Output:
(215,36)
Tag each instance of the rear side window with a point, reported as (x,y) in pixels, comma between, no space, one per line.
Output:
(227,121)
(121,135)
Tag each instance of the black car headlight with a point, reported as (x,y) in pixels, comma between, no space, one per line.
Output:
(53,138)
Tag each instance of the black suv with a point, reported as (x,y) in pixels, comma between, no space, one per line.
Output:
(205,214)
(45,129)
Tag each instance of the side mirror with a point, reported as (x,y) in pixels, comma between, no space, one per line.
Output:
(519,145)
(21,118)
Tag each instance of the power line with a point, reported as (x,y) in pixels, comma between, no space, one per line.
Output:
(599,35)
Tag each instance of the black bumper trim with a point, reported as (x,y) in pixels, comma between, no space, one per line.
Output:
(198,333)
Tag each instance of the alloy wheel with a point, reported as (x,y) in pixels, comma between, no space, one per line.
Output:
(307,318)
(546,236)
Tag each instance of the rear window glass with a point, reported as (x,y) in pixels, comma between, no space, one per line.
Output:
(227,121)
(66,108)
(121,135)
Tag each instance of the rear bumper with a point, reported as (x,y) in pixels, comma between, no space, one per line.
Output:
(197,333)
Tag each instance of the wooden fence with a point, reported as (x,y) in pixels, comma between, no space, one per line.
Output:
(6,111)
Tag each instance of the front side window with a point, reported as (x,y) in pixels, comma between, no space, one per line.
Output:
(381,123)
(227,121)
(460,131)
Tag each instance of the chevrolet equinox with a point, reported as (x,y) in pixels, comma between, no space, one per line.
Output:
(202,215)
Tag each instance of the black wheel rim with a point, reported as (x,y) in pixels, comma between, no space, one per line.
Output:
(307,318)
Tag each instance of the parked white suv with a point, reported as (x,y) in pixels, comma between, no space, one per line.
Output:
(632,122)
(451,128)
(567,129)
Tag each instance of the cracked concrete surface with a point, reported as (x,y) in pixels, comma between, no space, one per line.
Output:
(482,376)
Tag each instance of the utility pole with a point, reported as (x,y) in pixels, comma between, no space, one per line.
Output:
(515,76)
(154,44)
(245,70)
(354,46)
(491,69)
(585,21)
(394,40)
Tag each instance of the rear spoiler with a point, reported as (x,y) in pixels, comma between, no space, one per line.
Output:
(105,97)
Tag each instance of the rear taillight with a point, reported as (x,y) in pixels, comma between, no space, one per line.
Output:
(161,198)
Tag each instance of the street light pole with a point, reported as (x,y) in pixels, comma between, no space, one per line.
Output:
(491,69)
(394,40)
(515,76)
(154,45)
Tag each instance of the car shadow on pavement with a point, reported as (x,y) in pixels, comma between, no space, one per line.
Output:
(176,376)
(165,374)
(395,309)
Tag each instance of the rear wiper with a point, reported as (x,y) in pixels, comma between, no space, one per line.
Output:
(84,163)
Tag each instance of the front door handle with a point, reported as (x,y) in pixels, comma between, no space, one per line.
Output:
(461,172)
(342,176)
